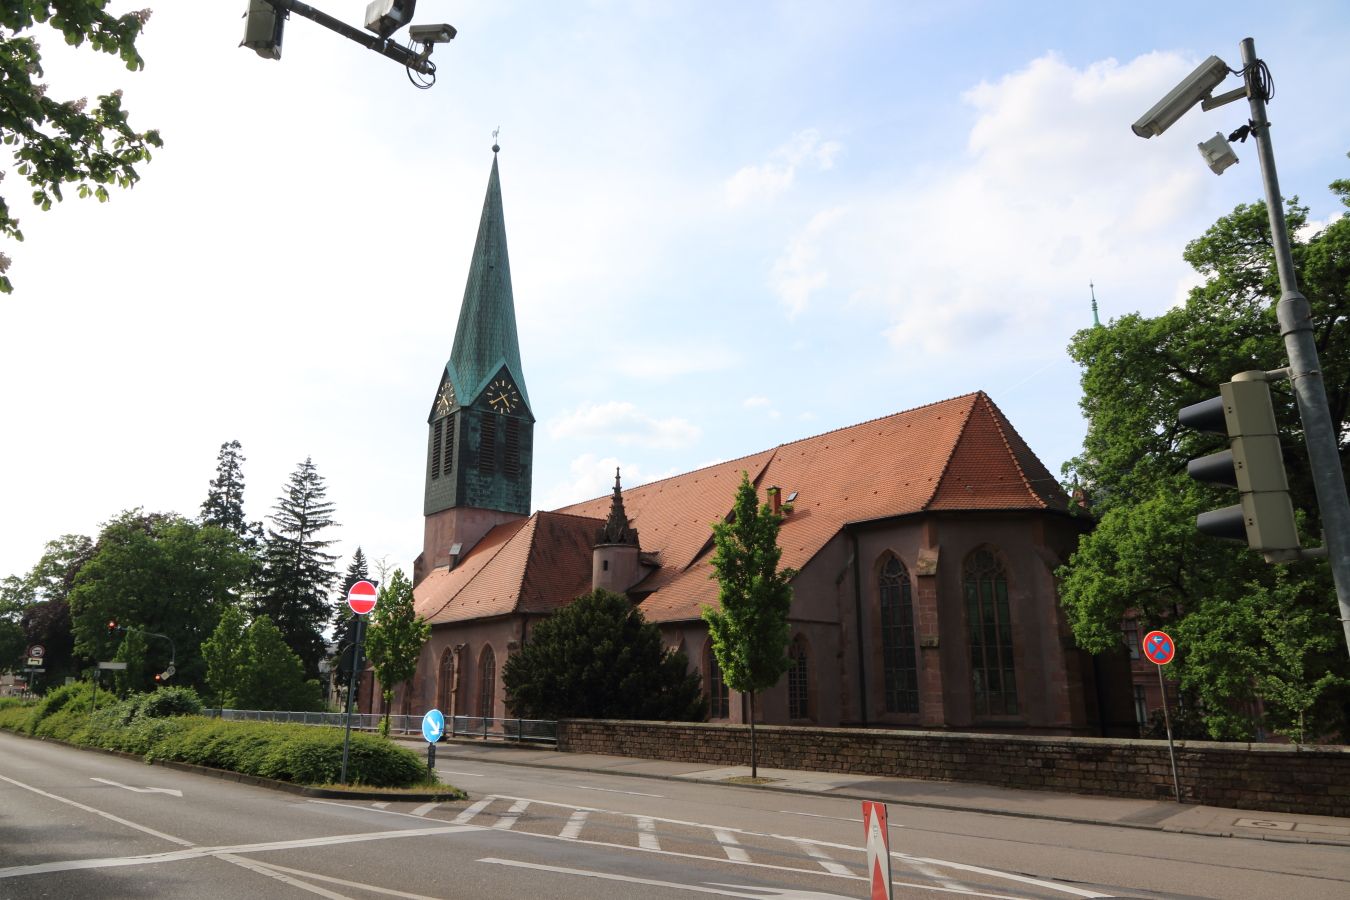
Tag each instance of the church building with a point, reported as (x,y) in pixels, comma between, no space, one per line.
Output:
(925,542)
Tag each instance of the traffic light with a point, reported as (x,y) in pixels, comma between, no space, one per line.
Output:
(112,627)
(263,24)
(1253,464)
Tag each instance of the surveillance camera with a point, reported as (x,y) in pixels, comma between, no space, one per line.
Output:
(432,34)
(1218,153)
(1194,88)
(384,17)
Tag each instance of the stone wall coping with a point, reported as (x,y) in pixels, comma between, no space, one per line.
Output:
(1332,750)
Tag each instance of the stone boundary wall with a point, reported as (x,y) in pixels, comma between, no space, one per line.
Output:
(1269,777)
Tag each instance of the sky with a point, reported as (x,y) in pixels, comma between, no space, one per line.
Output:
(730,226)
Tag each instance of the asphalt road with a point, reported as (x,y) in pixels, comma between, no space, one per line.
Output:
(75,824)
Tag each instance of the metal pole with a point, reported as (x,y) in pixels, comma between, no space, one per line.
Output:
(351,693)
(1295,319)
(1171,753)
(384,46)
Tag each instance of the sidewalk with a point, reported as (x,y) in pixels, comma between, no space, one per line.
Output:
(1084,808)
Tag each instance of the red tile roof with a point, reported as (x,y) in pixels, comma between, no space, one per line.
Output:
(958,454)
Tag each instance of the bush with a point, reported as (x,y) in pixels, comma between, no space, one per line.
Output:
(15,713)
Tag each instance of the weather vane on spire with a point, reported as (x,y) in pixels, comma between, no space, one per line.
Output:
(495,131)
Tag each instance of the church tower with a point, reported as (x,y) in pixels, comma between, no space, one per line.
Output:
(480,431)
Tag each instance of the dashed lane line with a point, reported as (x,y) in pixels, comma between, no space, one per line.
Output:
(572,830)
(426,808)
(730,846)
(471,811)
(586,787)
(509,818)
(647,833)
(826,861)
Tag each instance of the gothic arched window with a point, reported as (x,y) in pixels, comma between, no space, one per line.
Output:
(444,680)
(487,682)
(719,696)
(799,679)
(989,621)
(898,663)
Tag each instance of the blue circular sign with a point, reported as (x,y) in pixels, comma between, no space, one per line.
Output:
(433,726)
(1158,647)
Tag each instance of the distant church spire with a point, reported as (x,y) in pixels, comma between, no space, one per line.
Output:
(617,530)
(1096,323)
(486,338)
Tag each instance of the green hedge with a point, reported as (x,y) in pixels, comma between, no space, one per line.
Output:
(153,726)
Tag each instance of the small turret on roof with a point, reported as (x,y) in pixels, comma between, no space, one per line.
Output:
(617,529)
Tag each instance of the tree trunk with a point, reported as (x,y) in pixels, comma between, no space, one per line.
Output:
(754,750)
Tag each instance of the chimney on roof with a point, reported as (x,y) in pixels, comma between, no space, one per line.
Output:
(776,500)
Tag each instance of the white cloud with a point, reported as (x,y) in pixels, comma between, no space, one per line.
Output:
(666,361)
(756,402)
(622,424)
(798,272)
(771,178)
(590,476)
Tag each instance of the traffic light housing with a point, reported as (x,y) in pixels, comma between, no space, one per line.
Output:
(1264,517)
(112,627)
(263,24)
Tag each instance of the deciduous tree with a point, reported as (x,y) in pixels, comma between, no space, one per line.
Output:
(55,141)
(1245,630)
(394,637)
(749,629)
(272,675)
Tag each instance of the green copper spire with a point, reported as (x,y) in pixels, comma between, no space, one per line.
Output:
(485,339)
(1096,322)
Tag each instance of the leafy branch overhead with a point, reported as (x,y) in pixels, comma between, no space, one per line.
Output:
(58,142)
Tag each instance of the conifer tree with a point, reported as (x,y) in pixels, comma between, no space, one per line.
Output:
(297,573)
(224,503)
(750,631)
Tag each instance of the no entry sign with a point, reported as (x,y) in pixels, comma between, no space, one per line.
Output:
(361,598)
(1158,647)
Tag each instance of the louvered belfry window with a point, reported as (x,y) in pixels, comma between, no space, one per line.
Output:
(511,459)
(993,678)
(899,665)
(487,448)
(448,457)
(437,428)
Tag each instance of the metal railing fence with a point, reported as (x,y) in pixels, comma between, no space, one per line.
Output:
(522,730)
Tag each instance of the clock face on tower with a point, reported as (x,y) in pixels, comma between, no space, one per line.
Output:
(503,396)
(445,400)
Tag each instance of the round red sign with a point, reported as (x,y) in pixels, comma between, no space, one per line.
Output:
(361,598)
(1158,647)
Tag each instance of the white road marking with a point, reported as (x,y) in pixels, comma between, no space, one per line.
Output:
(512,815)
(200,852)
(278,876)
(572,830)
(144,790)
(1025,879)
(471,811)
(730,846)
(721,891)
(98,812)
(425,808)
(379,804)
(792,812)
(933,873)
(586,787)
(315,876)
(469,774)
(647,833)
(826,861)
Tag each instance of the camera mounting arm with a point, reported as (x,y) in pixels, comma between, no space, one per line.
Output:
(418,62)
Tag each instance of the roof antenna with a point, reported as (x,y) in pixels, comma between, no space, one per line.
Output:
(1096,323)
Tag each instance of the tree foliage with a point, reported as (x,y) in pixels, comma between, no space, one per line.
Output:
(344,620)
(271,674)
(224,503)
(58,142)
(1244,629)
(157,573)
(395,637)
(597,658)
(225,653)
(38,602)
(297,573)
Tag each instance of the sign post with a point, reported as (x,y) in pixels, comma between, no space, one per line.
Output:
(433,726)
(878,849)
(361,598)
(1159,648)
